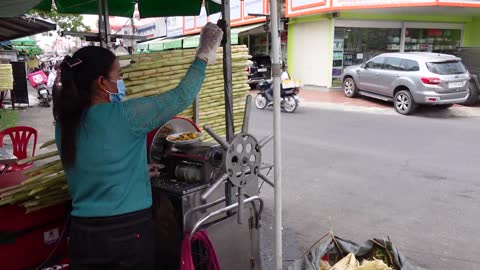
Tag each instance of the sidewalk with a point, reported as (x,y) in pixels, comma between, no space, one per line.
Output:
(334,99)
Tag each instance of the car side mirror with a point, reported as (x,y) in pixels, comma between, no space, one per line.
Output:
(364,66)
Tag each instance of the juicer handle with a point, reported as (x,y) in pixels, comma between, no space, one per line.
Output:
(212,188)
(251,200)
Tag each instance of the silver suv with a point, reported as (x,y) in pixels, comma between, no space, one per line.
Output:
(409,79)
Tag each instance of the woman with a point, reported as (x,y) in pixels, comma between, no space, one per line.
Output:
(102,147)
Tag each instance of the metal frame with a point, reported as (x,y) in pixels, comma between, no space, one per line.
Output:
(199,223)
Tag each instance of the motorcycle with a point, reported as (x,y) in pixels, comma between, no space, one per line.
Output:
(44,95)
(289,97)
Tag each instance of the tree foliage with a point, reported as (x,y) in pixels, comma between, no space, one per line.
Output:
(65,22)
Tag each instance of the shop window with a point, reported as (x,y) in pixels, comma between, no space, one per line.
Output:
(393,63)
(354,46)
(376,63)
(432,40)
(409,65)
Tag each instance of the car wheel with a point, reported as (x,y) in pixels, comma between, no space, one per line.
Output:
(444,106)
(473,97)
(404,103)
(350,88)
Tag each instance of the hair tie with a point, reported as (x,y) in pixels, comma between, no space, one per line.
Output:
(71,62)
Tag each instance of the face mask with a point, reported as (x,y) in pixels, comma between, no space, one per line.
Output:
(117,97)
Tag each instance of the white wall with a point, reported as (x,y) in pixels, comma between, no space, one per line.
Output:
(312,52)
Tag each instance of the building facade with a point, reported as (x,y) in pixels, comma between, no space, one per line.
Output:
(325,36)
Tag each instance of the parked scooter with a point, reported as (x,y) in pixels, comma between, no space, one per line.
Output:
(44,95)
(289,97)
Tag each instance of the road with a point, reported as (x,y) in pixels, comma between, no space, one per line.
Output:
(363,175)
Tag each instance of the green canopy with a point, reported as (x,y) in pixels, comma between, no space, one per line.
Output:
(125,8)
(25,41)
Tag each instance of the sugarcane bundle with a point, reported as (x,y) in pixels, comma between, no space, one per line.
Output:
(6,77)
(157,73)
(44,186)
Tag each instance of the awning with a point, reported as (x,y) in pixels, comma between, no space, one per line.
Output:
(141,46)
(161,44)
(24,41)
(193,41)
(122,8)
(173,43)
(17,27)
(6,43)
(155,45)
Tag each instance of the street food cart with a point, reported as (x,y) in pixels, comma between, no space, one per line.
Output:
(210,186)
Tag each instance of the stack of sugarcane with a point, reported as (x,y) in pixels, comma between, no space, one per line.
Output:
(156,73)
(6,77)
(45,185)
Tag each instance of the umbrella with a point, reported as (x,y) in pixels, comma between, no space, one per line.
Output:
(122,8)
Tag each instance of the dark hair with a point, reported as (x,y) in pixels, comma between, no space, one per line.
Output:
(78,75)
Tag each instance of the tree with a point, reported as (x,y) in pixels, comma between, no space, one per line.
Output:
(65,22)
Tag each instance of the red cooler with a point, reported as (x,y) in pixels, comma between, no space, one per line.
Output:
(27,240)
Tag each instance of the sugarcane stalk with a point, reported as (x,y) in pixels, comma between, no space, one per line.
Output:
(41,168)
(46,200)
(53,169)
(39,157)
(170,61)
(33,209)
(45,187)
(47,143)
(29,187)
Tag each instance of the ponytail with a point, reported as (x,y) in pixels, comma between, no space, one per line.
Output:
(78,75)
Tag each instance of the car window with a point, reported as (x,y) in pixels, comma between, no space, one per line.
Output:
(409,65)
(447,68)
(376,63)
(392,63)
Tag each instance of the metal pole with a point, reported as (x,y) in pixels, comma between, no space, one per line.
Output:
(277,152)
(107,23)
(100,23)
(227,77)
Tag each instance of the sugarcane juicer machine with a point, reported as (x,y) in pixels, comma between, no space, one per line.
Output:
(191,194)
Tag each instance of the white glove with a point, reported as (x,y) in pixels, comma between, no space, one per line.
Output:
(210,39)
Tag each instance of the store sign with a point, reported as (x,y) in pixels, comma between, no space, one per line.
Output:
(386,3)
(301,4)
(252,6)
(153,29)
(239,10)
(235,10)
(338,44)
(174,26)
(337,55)
(470,2)
(189,22)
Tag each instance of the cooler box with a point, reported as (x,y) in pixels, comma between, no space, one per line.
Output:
(287,84)
(27,240)
(36,78)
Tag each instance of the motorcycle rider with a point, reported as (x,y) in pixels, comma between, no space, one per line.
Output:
(283,76)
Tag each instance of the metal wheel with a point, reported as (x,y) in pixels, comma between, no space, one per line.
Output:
(260,101)
(290,104)
(350,88)
(404,103)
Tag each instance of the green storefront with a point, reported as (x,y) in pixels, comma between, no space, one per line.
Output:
(320,46)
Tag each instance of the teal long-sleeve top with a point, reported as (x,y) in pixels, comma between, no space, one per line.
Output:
(110,175)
